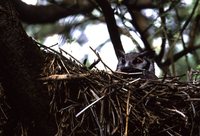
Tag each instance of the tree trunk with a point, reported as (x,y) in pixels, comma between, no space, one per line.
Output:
(20,65)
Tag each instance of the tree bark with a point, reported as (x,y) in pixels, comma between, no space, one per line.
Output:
(20,65)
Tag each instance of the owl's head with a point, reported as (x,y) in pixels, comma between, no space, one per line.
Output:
(135,62)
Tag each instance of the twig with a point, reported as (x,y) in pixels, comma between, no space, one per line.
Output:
(72,57)
(78,114)
(95,116)
(98,56)
(127,114)
(94,64)
(190,17)
(63,77)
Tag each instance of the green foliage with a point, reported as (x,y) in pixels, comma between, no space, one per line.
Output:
(198,67)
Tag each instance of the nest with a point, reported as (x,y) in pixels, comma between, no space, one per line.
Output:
(94,102)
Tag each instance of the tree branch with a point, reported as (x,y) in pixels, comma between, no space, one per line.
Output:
(179,55)
(46,14)
(164,33)
(138,28)
(190,17)
(112,26)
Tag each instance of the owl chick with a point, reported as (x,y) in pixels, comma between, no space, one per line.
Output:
(137,62)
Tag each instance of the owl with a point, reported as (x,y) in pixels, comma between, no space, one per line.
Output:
(137,62)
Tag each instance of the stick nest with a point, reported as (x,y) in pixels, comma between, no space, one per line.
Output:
(93,102)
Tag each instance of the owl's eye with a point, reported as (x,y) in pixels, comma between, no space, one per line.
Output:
(123,61)
(137,60)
